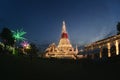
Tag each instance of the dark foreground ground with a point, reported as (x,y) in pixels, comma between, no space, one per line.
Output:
(23,68)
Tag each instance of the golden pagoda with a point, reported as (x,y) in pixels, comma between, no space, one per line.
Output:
(64,48)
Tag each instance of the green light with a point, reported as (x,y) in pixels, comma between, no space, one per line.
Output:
(1,44)
(13,52)
(18,35)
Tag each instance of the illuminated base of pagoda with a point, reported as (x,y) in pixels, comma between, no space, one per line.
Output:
(64,56)
(60,56)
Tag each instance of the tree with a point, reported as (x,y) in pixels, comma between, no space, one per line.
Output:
(18,35)
(118,28)
(33,49)
(7,37)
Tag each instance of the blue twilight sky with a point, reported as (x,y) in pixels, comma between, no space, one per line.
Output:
(86,20)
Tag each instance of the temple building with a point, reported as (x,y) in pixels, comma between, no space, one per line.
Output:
(107,47)
(64,48)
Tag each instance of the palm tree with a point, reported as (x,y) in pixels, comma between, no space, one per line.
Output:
(18,36)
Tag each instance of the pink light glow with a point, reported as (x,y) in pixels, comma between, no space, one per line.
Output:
(25,44)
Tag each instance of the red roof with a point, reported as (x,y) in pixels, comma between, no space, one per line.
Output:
(64,35)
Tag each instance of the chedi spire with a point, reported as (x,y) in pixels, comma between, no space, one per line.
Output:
(64,40)
(64,32)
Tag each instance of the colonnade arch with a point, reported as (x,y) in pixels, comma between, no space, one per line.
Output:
(107,47)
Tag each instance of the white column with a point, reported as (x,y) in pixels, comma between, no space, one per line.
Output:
(92,56)
(117,47)
(100,55)
(108,45)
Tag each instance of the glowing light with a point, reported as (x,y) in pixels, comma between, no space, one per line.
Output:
(1,44)
(117,47)
(109,54)
(25,44)
(100,51)
(18,35)
(13,52)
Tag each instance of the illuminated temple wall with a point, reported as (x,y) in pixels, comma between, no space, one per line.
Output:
(104,48)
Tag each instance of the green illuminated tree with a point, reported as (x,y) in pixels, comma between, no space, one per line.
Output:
(18,35)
